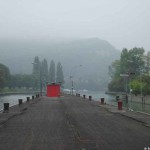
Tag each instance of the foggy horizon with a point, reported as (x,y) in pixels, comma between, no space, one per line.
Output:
(123,23)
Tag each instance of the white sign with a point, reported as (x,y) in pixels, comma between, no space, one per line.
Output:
(124,75)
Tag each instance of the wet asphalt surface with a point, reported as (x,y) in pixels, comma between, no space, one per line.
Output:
(71,123)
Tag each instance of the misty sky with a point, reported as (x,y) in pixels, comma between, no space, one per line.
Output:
(124,23)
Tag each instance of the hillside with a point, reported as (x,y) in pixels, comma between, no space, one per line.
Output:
(93,54)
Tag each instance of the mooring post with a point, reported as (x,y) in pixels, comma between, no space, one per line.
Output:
(20,101)
(90,98)
(6,107)
(119,105)
(84,96)
(28,99)
(102,101)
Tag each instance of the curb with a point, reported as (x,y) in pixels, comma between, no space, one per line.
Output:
(123,114)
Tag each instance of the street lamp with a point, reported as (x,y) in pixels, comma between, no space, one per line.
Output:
(125,78)
(71,78)
(141,90)
(40,77)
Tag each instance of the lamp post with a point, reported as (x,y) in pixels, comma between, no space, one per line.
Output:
(40,77)
(71,78)
(141,89)
(125,77)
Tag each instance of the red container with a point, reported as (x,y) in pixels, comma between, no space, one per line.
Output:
(53,90)
(119,105)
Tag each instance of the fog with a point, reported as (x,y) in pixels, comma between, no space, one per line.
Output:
(124,23)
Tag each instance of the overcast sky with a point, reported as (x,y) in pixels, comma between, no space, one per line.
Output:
(123,23)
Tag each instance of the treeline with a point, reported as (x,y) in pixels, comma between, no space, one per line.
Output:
(41,74)
(131,73)
(47,74)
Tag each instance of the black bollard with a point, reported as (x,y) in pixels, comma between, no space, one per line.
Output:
(90,98)
(102,101)
(6,107)
(32,97)
(20,101)
(84,96)
(28,99)
(117,97)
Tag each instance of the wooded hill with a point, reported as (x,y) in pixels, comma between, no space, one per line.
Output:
(93,54)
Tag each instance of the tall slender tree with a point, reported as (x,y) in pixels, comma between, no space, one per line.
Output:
(59,74)
(52,72)
(4,75)
(36,66)
(36,72)
(44,70)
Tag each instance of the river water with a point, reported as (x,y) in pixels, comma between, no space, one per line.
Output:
(12,99)
(96,95)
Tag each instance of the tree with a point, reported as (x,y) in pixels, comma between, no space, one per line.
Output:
(36,66)
(52,72)
(141,85)
(44,71)
(19,81)
(59,74)
(132,62)
(136,61)
(4,75)
(36,72)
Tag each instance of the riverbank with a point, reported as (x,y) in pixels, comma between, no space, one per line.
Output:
(20,92)
(132,97)
(114,93)
(12,99)
(13,93)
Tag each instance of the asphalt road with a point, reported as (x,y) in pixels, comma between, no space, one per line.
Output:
(72,123)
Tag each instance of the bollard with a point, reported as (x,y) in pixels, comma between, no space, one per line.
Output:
(32,97)
(20,101)
(102,101)
(84,96)
(6,107)
(28,99)
(78,95)
(90,98)
(119,105)
(117,98)
(36,95)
